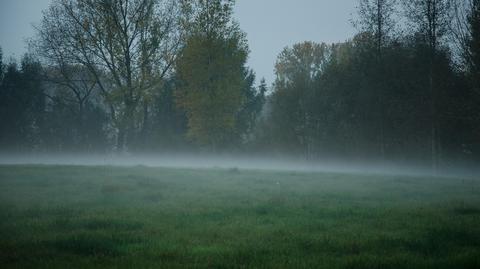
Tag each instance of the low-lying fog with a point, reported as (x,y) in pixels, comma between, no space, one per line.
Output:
(226,161)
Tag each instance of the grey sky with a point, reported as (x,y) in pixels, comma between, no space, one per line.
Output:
(270,25)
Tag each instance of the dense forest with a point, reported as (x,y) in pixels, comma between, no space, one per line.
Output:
(164,75)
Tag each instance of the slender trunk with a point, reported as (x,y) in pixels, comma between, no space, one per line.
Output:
(433,123)
(381,106)
(144,125)
(381,111)
(129,126)
(121,140)
(382,134)
(81,129)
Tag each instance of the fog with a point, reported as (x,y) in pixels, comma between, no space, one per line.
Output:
(384,100)
(240,134)
(238,162)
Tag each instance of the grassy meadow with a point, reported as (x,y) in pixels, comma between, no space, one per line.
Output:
(141,217)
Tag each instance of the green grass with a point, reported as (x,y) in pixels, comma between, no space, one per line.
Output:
(139,217)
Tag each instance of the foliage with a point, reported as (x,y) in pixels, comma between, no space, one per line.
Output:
(22,105)
(334,111)
(127,46)
(156,75)
(212,75)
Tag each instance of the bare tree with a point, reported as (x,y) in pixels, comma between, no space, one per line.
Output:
(460,29)
(377,17)
(128,46)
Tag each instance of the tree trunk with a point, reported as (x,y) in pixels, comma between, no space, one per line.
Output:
(82,139)
(433,124)
(144,125)
(121,140)
(130,129)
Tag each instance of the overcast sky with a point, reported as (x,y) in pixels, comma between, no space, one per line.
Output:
(270,25)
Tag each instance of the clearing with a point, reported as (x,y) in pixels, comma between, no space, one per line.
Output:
(144,217)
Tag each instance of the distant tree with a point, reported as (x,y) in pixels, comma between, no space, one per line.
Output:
(75,87)
(261,98)
(12,127)
(474,68)
(377,18)
(64,134)
(461,114)
(127,46)
(250,111)
(212,74)
(296,70)
(460,31)
(169,123)
(1,66)
(474,42)
(431,18)
(262,90)
(32,71)
(22,103)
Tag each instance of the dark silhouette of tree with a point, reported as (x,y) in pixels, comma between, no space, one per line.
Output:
(22,105)
(431,19)
(377,18)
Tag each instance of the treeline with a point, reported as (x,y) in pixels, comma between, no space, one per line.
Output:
(149,75)
(388,93)
(160,75)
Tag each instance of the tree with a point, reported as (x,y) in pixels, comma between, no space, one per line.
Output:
(169,123)
(376,18)
(474,43)
(128,47)
(1,66)
(431,19)
(250,111)
(464,31)
(297,69)
(212,74)
(75,87)
(10,104)
(22,103)
(474,66)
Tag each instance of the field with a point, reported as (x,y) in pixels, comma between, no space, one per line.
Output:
(141,217)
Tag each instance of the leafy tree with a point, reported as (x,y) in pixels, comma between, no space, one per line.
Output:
(168,128)
(10,104)
(22,103)
(63,131)
(212,74)
(250,111)
(296,70)
(75,87)
(330,113)
(127,46)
